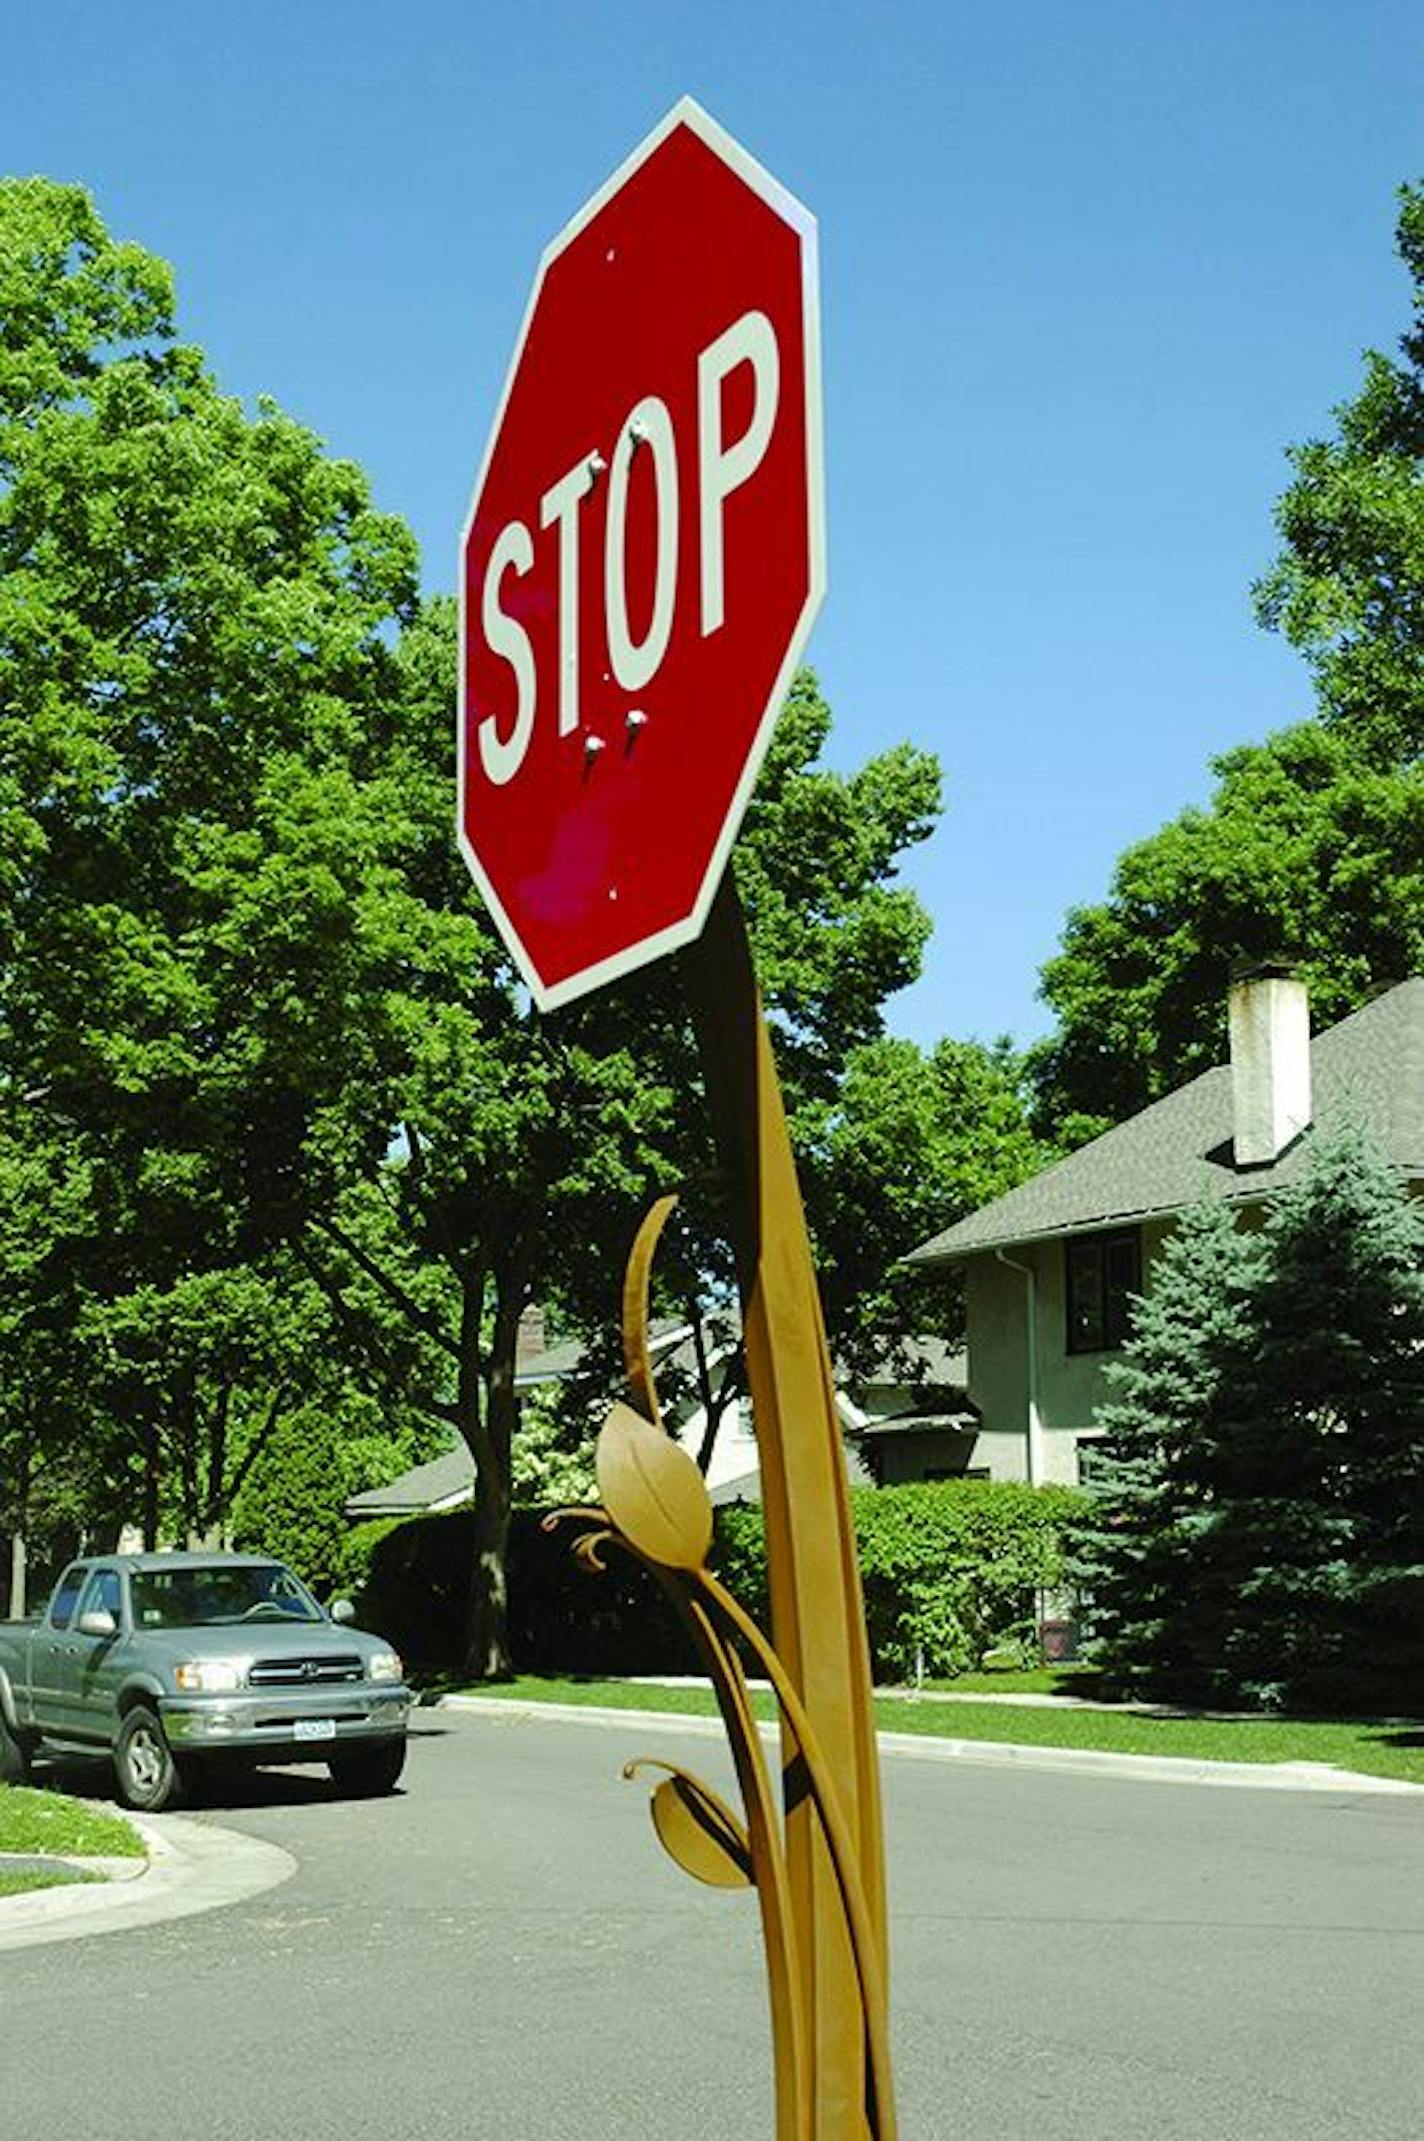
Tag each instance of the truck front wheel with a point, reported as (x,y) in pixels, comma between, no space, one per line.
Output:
(147,1774)
(367,1771)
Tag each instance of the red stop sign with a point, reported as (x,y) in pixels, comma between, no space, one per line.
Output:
(643,557)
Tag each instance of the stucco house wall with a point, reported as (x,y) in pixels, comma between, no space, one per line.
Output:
(1066,1386)
(1069,1385)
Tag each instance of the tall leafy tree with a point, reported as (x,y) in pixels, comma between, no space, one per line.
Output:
(213,1375)
(243,977)
(1348,588)
(1307,848)
(528,1147)
(47,1407)
(911,1141)
(1312,844)
(196,690)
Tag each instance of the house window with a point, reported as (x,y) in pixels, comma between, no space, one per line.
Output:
(1104,1272)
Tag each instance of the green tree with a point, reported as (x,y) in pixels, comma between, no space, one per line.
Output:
(1134,1552)
(1348,588)
(217,1376)
(47,1494)
(911,1141)
(196,695)
(244,980)
(1307,848)
(292,1501)
(528,1147)
(1311,1542)
(1257,1530)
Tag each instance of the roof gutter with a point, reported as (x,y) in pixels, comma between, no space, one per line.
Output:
(1033,1441)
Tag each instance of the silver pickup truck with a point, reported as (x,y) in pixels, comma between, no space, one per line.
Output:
(170,1661)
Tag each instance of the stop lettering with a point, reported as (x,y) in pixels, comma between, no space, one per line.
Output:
(642,560)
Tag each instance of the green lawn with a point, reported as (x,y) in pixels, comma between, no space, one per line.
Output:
(1017,1680)
(48,1823)
(1369,1747)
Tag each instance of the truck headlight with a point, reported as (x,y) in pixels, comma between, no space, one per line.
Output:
(384,1665)
(210,1676)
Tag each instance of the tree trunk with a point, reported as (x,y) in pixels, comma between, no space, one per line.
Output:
(216,1496)
(487,1632)
(183,1425)
(16,1513)
(487,1655)
(151,1471)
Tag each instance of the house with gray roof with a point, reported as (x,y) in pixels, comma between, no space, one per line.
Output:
(1051,1268)
(907,1417)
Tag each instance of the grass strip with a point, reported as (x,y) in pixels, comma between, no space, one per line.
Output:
(48,1822)
(1076,1680)
(13,1883)
(1369,1747)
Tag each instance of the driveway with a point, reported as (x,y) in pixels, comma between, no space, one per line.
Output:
(501,1950)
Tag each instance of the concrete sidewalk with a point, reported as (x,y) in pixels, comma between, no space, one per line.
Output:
(1142,1768)
(192,1866)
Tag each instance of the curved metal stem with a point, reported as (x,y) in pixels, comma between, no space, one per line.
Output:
(769,1869)
(637,1357)
(864,1944)
(702,1615)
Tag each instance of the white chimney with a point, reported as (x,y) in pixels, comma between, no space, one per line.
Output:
(1269,1013)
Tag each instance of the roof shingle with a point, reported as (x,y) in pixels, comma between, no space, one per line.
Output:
(1369,1068)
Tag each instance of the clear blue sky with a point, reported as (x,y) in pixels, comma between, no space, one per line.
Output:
(1087,268)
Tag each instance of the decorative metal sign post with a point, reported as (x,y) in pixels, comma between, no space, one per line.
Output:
(641,566)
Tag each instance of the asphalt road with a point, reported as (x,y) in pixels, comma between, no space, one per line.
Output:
(501,1950)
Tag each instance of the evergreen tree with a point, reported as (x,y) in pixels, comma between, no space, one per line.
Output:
(1136,1561)
(1257,1535)
(1318,1538)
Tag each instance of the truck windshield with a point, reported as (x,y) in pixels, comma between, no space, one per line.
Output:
(218,1597)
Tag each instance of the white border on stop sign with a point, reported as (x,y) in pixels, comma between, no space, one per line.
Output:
(686,112)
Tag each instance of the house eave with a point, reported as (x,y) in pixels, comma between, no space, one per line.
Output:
(1100,1223)
(1243,1193)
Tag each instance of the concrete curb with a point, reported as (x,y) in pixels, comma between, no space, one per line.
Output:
(192,1866)
(1139,1768)
(72,1868)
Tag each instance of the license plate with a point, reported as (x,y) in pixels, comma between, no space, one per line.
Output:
(314,1728)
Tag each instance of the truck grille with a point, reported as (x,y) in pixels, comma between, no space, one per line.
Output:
(304,1672)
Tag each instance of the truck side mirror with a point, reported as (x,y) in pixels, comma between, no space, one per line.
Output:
(98,1621)
(341,1609)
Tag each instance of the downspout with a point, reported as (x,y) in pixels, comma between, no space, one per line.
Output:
(1034,1440)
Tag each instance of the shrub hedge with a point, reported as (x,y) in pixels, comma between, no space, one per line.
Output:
(953,1570)
(950,1569)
